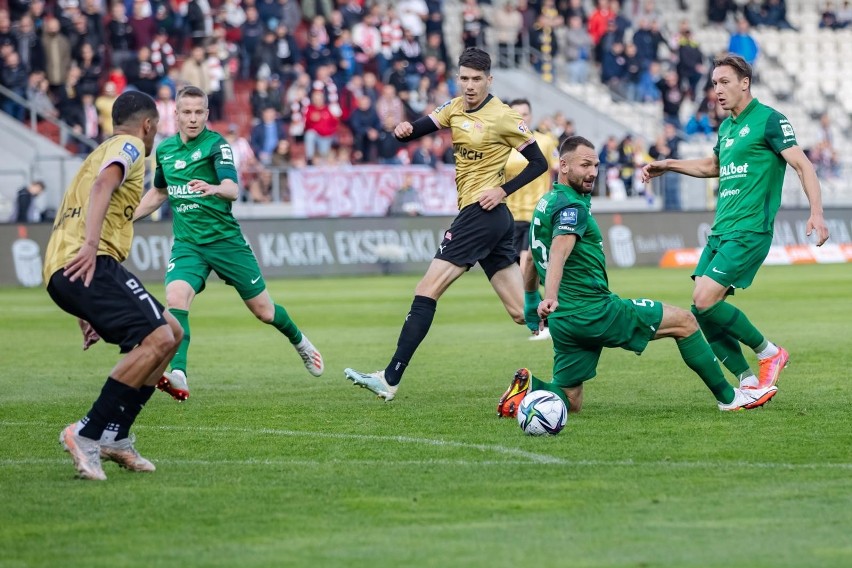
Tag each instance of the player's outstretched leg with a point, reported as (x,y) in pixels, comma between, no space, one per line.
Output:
(374,382)
(747,399)
(174,384)
(310,355)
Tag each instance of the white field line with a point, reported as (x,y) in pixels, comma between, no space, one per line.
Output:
(520,457)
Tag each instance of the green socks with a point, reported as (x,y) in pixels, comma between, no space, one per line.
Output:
(538,384)
(179,360)
(725,346)
(285,325)
(698,356)
(733,322)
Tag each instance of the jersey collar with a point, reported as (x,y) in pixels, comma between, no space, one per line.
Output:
(488,98)
(573,193)
(195,141)
(746,111)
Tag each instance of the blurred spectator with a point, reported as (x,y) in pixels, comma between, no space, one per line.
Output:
(754,12)
(690,62)
(578,50)
(614,69)
(117,77)
(28,43)
(632,72)
(671,94)
(120,35)
(291,15)
(141,73)
(104,105)
(367,36)
(282,161)
(473,24)
(411,52)
(418,99)
(266,134)
(321,125)
(388,147)
(317,54)
(699,123)
(844,14)
(162,52)
(597,25)
(435,48)
(507,24)
(718,10)
(828,19)
(610,167)
(199,21)
(743,43)
(365,125)
(7,37)
(142,23)
(14,76)
(265,62)
(666,147)
(352,12)
(69,102)
(246,164)
(260,98)
(167,109)
(389,107)
(91,125)
(38,94)
(572,9)
(334,27)
(91,70)
(311,8)
(406,200)
(647,90)
(194,70)
(251,33)
(390,29)
(57,53)
(627,171)
(776,15)
(412,16)
(93,11)
(648,39)
(396,76)
(424,155)
(543,41)
(215,93)
(29,205)
(348,56)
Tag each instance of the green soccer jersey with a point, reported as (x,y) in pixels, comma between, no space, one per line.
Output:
(207,157)
(751,168)
(564,211)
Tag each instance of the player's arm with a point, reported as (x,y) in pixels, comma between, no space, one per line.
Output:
(536,165)
(797,160)
(227,189)
(150,202)
(83,264)
(698,167)
(560,250)
(408,131)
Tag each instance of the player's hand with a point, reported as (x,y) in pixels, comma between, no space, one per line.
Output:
(816,222)
(403,130)
(547,307)
(90,336)
(202,187)
(653,170)
(82,265)
(491,198)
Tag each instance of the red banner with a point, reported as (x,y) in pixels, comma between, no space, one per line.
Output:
(367,191)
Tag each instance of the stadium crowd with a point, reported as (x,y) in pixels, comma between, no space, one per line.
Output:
(329,80)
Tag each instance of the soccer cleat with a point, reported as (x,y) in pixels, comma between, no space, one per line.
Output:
(84,452)
(374,382)
(542,335)
(508,405)
(770,368)
(310,356)
(174,384)
(125,455)
(746,399)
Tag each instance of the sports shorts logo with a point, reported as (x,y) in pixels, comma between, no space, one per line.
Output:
(254,280)
(717,271)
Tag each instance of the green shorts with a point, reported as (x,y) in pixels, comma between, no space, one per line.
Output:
(231,259)
(733,259)
(578,339)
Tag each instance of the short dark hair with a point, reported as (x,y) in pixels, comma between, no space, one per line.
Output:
(191,91)
(737,63)
(475,58)
(133,105)
(521,101)
(572,143)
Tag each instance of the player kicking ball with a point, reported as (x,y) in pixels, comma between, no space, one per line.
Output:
(584,315)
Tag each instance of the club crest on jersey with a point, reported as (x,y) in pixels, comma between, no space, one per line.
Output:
(131,151)
(568,216)
(448,236)
(180,164)
(729,142)
(196,155)
(522,127)
(744,132)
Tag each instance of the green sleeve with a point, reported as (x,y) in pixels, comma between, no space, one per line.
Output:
(779,134)
(160,177)
(570,219)
(223,161)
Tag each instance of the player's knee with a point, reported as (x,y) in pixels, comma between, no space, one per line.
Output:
(177,332)
(518,317)
(164,339)
(703,300)
(266,315)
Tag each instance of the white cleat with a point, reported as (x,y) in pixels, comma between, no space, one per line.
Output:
(85,453)
(310,356)
(374,382)
(175,385)
(543,335)
(125,455)
(746,399)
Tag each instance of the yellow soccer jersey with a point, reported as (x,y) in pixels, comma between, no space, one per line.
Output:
(69,229)
(482,140)
(522,202)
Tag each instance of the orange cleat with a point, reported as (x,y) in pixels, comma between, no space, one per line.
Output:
(770,368)
(511,399)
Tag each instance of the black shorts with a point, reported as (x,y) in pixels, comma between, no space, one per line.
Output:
(477,235)
(115,303)
(522,237)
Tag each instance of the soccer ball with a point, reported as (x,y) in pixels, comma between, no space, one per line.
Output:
(542,413)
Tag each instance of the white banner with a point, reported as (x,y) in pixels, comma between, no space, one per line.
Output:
(367,191)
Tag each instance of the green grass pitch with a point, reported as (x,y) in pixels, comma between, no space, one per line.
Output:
(268,466)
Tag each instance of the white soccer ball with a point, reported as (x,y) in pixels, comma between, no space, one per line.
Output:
(542,413)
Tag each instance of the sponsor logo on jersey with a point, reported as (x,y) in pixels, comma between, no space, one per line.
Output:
(468,153)
(744,132)
(787,129)
(169,157)
(182,191)
(227,154)
(568,216)
(523,128)
(131,151)
(465,125)
(733,170)
(180,164)
(729,193)
(184,207)
(542,205)
(196,155)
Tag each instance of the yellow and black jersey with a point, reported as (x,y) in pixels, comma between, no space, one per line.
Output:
(69,229)
(482,140)
(523,202)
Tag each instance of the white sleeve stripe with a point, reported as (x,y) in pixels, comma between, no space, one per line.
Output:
(122,163)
